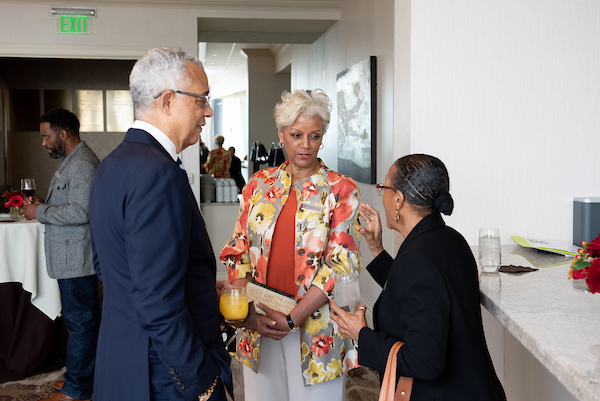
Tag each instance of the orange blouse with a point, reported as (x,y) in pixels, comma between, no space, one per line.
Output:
(280,269)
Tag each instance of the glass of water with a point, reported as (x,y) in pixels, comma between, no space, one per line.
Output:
(490,255)
(347,292)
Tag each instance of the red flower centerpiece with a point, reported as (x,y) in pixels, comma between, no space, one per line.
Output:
(13,201)
(586,265)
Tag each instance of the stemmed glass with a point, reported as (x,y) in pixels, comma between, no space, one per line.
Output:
(28,186)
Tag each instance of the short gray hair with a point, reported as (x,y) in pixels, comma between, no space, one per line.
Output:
(158,70)
(301,102)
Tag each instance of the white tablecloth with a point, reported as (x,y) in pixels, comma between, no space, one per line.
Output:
(23,260)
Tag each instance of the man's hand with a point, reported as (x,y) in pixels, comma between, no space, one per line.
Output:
(34,200)
(29,210)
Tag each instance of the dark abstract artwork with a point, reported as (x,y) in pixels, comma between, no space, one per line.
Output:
(356,106)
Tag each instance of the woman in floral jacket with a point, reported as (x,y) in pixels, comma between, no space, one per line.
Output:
(295,229)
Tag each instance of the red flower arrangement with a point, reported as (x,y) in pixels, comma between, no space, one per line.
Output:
(13,199)
(586,265)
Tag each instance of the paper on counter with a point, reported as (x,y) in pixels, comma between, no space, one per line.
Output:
(562,248)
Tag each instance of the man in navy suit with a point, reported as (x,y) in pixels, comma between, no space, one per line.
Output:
(159,334)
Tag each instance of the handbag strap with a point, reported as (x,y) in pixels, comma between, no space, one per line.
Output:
(404,387)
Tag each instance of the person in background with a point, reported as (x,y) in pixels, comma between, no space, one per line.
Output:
(160,336)
(219,160)
(69,258)
(297,225)
(430,297)
(203,156)
(236,170)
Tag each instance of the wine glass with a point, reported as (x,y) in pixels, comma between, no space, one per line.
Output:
(28,186)
(234,304)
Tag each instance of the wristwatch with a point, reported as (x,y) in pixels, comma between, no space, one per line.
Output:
(290,322)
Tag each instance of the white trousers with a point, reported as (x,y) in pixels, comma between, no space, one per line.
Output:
(279,376)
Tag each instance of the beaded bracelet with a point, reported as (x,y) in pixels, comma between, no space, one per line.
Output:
(206,395)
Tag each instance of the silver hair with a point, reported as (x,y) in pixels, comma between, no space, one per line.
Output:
(158,70)
(301,102)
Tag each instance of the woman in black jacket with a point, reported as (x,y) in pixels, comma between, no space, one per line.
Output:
(430,297)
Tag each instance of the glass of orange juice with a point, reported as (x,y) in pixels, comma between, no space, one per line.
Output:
(234,304)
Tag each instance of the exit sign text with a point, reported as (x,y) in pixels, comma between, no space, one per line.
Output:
(74,25)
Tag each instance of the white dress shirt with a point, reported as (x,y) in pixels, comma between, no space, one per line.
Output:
(157,134)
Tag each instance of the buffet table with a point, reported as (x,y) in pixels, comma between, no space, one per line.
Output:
(557,324)
(32,338)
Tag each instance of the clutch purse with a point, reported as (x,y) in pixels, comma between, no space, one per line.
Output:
(274,299)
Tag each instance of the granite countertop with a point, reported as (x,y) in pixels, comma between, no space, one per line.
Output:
(558,324)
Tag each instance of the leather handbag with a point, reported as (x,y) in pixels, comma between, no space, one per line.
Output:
(404,387)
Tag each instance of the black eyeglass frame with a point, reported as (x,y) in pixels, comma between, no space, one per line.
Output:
(380,188)
(205,97)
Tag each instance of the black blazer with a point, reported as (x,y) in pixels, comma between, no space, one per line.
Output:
(154,257)
(430,300)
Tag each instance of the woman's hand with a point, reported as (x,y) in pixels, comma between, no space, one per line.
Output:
(273,325)
(251,321)
(372,230)
(349,324)
(222,284)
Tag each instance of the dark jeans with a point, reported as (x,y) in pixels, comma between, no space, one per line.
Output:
(81,315)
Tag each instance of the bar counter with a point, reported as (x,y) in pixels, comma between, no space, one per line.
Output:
(558,324)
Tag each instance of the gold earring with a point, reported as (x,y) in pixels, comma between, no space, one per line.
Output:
(397,218)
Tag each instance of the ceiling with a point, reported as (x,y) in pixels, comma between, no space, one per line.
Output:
(225,38)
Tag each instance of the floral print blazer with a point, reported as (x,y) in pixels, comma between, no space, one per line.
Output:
(326,242)
(219,163)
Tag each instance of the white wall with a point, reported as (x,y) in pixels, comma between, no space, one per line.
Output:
(507,94)
(364,29)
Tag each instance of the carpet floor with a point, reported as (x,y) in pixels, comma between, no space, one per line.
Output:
(362,384)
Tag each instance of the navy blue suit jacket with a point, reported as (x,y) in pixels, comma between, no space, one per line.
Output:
(154,257)
(430,300)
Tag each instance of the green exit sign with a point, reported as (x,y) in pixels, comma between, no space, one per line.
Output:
(74,25)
